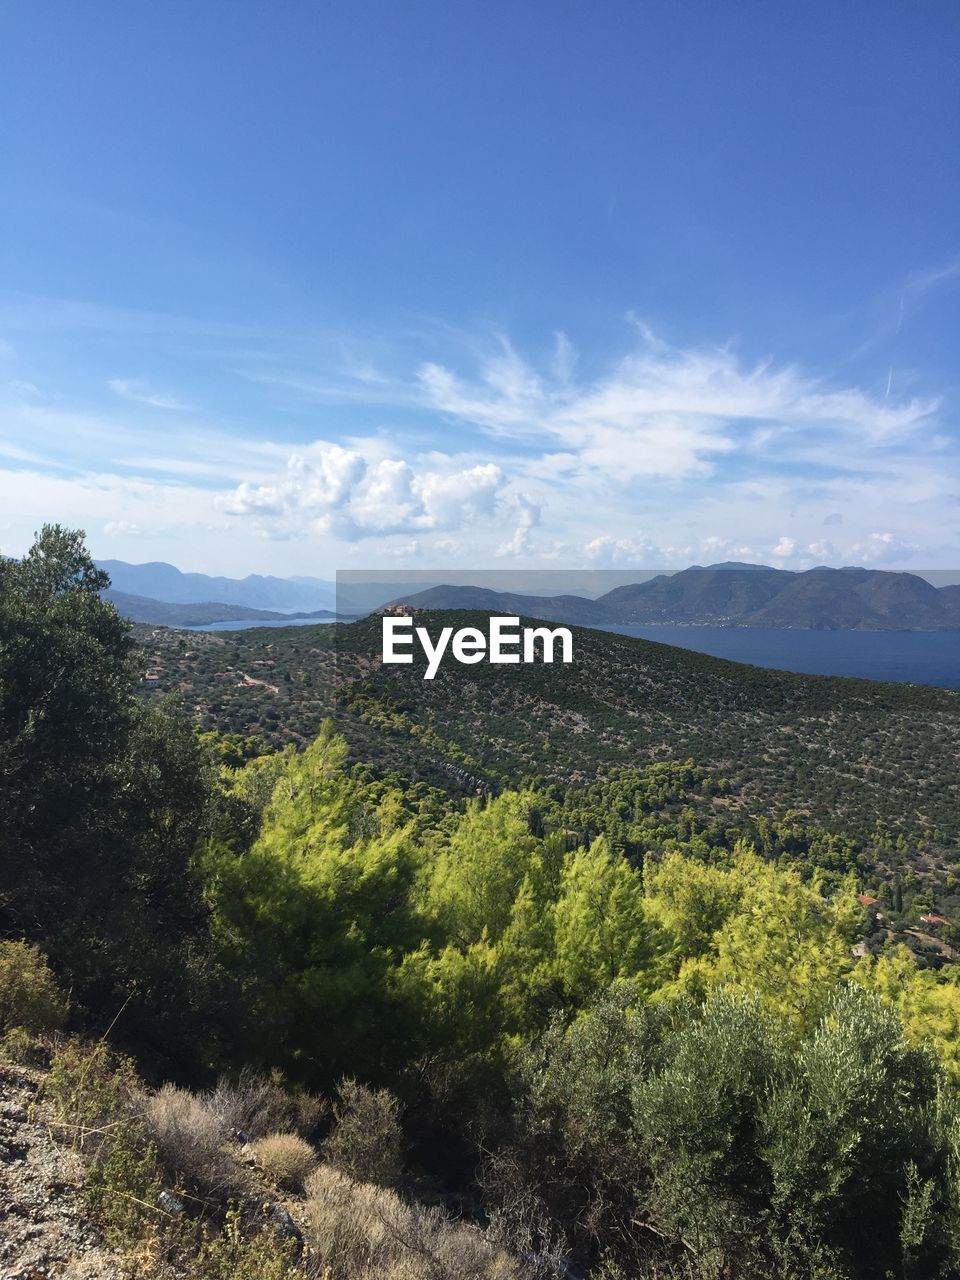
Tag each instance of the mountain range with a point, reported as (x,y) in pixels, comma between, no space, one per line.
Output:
(734,595)
(166,583)
(203,613)
(727,595)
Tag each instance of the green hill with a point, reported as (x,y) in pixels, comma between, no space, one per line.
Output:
(843,752)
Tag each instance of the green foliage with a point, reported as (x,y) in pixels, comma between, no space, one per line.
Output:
(123,1186)
(475,878)
(89,1086)
(786,942)
(774,739)
(859,1143)
(30,999)
(630,981)
(711,1129)
(233,1254)
(600,929)
(927,1003)
(102,799)
(312,920)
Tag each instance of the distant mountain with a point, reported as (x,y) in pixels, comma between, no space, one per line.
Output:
(859,599)
(159,581)
(735,595)
(168,614)
(718,595)
(572,609)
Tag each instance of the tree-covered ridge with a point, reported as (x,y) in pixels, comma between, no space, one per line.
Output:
(644,1030)
(873,763)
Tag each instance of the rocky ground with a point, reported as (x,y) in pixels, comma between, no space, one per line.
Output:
(44,1232)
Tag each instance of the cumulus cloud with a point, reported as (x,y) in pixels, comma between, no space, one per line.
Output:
(607,551)
(527,515)
(340,491)
(883,547)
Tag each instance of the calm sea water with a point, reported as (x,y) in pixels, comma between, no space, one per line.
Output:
(917,657)
(251,624)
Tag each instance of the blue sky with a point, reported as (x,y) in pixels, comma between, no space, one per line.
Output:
(292,288)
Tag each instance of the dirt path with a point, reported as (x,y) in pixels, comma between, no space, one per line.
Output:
(44,1232)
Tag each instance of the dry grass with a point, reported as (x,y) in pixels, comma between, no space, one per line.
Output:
(368,1233)
(285,1159)
(260,1105)
(190,1142)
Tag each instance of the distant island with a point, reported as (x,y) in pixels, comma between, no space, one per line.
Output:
(734,595)
(166,613)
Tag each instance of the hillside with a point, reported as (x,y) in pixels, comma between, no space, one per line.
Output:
(406,1037)
(845,752)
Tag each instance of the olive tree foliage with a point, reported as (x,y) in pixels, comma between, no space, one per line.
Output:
(703,1140)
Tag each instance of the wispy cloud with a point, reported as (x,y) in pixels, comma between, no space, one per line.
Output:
(138,392)
(670,412)
(657,455)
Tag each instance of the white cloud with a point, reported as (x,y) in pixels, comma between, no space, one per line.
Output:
(608,551)
(883,547)
(341,491)
(669,412)
(139,393)
(527,517)
(662,456)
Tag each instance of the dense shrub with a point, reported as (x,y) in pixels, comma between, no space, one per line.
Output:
(367,1141)
(191,1143)
(260,1105)
(30,999)
(233,1254)
(91,1087)
(285,1159)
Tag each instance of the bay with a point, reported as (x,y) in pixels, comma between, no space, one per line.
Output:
(914,657)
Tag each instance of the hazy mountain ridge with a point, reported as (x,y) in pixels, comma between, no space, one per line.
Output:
(732,595)
(157,580)
(562,608)
(739,596)
(169,614)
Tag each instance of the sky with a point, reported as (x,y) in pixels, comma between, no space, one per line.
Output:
(292,288)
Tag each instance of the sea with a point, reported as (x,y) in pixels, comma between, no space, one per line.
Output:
(251,624)
(914,657)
